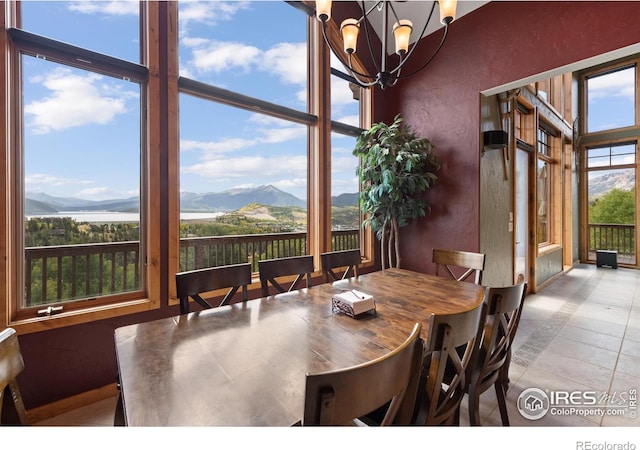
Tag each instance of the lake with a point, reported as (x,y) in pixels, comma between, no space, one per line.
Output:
(118,217)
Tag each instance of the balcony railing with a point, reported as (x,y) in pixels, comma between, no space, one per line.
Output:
(622,238)
(67,272)
(61,273)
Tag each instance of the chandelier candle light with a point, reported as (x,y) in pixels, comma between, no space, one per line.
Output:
(402,28)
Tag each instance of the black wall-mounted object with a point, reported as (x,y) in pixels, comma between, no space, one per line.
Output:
(495,139)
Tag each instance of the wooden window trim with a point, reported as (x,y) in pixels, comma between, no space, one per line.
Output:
(19,42)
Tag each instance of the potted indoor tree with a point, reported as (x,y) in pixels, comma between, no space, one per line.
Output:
(395,168)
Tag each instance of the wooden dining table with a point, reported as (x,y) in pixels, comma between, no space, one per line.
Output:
(244,364)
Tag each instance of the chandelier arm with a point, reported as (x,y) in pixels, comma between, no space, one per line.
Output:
(413,48)
(444,37)
(347,65)
(365,14)
(395,14)
(356,76)
(368,35)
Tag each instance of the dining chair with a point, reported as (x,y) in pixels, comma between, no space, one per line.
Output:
(505,368)
(348,260)
(450,351)
(504,307)
(454,261)
(12,410)
(340,397)
(193,283)
(270,269)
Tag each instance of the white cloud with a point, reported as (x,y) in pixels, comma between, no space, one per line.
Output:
(240,168)
(114,8)
(219,56)
(193,42)
(302,95)
(272,131)
(222,146)
(353,120)
(73,187)
(208,12)
(38,181)
(94,192)
(288,61)
(341,94)
(75,100)
(277,135)
(615,84)
(263,119)
(291,184)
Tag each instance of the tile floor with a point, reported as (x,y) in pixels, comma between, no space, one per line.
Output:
(580,333)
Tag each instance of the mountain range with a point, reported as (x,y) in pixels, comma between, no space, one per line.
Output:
(230,200)
(234,199)
(620,179)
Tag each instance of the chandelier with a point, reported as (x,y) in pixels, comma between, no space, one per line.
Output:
(385,76)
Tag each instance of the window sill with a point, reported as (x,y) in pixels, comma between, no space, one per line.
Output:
(64,319)
(549,248)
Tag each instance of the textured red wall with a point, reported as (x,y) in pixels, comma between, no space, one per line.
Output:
(499,43)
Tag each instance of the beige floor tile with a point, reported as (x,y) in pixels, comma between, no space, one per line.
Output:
(594,338)
(584,352)
(631,347)
(632,333)
(597,324)
(609,316)
(617,301)
(590,375)
(628,365)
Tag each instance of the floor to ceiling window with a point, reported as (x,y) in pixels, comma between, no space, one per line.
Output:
(547,184)
(345,205)
(79,162)
(148,138)
(609,149)
(248,137)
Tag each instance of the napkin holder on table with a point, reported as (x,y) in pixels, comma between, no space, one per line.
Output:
(353,303)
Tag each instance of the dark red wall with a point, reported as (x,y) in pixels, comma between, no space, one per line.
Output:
(499,43)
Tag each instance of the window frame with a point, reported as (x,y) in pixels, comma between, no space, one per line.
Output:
(602,71)
(19,43)
(319,139)
(160,156)
(551,157)
(609,137)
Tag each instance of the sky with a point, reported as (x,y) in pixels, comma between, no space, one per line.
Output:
(75,118)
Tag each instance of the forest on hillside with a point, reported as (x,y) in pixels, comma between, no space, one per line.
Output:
(252,219)
(68,274)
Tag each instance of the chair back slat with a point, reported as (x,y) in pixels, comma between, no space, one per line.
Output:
(346,259)
(504,307)
(451,350)
(338,397)
(454,261)
(193,283)
(271,269)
